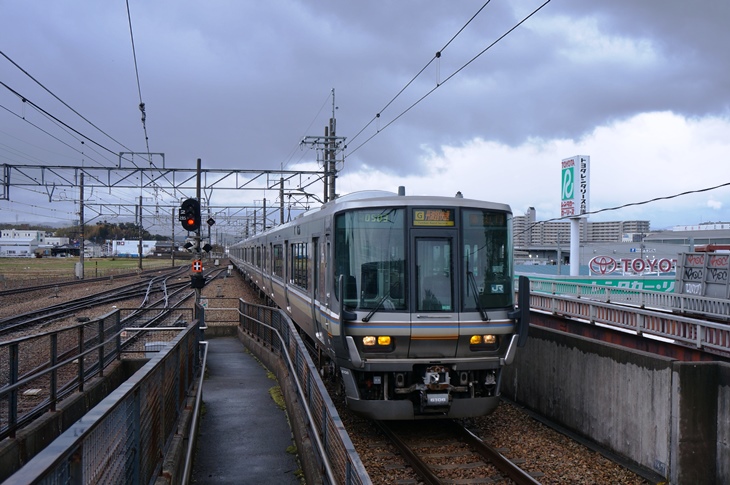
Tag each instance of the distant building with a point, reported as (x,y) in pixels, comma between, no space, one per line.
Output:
(130,249)
(623,242)
(705,233)
(529,232)
(56,241)
(38,236)
(17,247)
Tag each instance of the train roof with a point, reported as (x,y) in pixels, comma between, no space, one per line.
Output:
(376,198)
(369,198)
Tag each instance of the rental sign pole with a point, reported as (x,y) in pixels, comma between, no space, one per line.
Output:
(575,178)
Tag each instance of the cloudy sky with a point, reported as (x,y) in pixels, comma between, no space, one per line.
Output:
(643,88)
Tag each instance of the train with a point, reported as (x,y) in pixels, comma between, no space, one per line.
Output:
(410,300)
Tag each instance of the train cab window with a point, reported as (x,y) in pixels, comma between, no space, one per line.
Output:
(487,256)
(434,275)
(370,256)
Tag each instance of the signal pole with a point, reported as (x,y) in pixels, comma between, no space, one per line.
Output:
(80,272)
(198,255)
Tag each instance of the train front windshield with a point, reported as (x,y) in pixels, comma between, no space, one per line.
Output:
(370,255)
(464,262)
(486,260)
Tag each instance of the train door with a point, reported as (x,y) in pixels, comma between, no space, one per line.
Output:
(320,302)
(435,325)
(287,275)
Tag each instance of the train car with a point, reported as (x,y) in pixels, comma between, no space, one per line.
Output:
(410,298)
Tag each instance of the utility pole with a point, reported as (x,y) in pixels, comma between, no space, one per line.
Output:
(172,246)
(80,270)
(281,199)
(139,247)
(330,144)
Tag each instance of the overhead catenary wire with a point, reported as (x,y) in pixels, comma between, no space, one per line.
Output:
(298,145)
(439,84)
(62,101)
(65,128)
(437,55)
(630,204)
(139,85)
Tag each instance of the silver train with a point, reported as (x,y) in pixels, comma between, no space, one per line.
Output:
(410,298)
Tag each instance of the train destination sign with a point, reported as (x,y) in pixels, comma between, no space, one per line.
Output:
(433,217)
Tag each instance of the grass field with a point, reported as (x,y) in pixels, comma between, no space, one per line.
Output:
(24,269)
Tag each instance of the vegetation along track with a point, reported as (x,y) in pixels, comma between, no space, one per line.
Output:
(444,452)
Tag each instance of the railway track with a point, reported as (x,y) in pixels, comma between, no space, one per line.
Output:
(444,452)
(101,279)
(54,364)
(54,312)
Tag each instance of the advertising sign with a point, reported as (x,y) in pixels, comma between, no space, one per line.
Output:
(575,185)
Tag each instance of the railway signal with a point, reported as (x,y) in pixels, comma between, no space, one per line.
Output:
(197,281)
(189,214)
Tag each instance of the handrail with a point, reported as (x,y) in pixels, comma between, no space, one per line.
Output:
(683,330)
(194,425)
(717,308)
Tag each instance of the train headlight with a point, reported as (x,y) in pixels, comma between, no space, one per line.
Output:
(483,342)
(381,343)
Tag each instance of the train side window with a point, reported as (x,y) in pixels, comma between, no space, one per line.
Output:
(278,254)
(299,259)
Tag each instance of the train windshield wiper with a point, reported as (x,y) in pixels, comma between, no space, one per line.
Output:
(378,305)
(367,317)
(473,284)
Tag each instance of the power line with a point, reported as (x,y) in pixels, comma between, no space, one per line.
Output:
(47,132)
(291,155)
(50,116)
(437,55)
(438,85)
(139,85)
(60,100)
(630,204)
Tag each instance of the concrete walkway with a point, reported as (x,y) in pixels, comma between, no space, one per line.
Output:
(244,435)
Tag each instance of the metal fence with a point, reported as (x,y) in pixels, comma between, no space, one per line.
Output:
(40,369)
(716,308)
(274,330)
(683,330)
(121,440)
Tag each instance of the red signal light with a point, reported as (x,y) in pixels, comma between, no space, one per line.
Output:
(189,214)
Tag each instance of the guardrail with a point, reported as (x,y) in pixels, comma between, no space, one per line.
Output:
(122,439)
(273,329)
(715,308)
(687,331)
(42,368)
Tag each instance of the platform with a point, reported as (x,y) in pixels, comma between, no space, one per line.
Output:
(244,435)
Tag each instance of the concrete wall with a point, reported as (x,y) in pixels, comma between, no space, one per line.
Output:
(667,416)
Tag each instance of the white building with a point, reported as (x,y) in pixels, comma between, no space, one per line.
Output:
(38,236)
(130,249)
(17,247)
(56,241)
